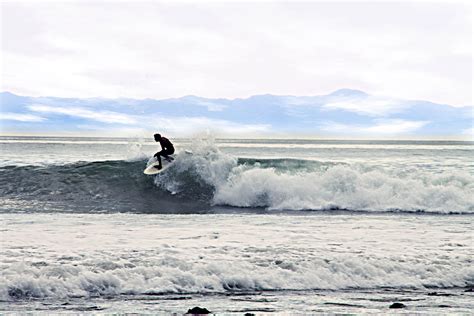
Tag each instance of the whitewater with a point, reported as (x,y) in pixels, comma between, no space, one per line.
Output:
(237,226)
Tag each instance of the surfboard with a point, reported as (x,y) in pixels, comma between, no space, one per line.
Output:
(153,167)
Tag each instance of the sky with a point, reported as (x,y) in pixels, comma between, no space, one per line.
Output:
(409,50)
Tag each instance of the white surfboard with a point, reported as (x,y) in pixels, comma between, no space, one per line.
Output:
(153,164)
(153,167)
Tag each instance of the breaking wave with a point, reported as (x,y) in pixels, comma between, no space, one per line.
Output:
(207,178)
(102,277)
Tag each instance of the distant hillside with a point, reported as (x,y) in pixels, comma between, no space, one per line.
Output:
(344,112)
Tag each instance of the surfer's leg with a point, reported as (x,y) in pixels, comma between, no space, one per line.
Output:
(166,154)
(170,152)
(158,157)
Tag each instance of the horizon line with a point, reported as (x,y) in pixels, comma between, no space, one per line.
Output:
(259,137)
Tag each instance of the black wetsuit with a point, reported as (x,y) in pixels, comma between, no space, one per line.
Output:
(166,149)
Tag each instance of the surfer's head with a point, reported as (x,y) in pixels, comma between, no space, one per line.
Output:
(157,137)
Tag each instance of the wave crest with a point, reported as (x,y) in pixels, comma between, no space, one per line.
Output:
(197,182)
(169,275)
(290,184)
(344,187)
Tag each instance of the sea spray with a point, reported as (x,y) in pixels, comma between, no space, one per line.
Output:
(313,185)
(344,187)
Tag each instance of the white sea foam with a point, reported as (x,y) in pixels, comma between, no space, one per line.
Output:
(173,275)
(136,253)
(345,187)
(352,187)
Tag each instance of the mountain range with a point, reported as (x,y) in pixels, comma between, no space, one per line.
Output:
(345,113)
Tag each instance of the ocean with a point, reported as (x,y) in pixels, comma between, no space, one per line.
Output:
(238,226)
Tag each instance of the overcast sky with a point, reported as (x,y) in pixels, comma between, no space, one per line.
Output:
(415,50)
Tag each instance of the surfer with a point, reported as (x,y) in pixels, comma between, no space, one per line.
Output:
(166,149)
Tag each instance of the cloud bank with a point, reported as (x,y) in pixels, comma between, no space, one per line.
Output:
(414,50)
(380,127)
(345,113)
(99,116)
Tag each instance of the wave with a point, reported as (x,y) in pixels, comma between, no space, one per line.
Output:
(79,276)
(292,184)
(209,178)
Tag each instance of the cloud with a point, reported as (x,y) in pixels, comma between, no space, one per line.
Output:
(166,49)
(100,116)
(381,127)
(176,125)
(180,126)
(21,117)
(112,131)
(371,106)
(190,125)
(211,106)
(469,132)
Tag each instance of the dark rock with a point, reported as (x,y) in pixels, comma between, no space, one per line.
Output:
(439,294)
(343,304)
(198,311)
(249,314)
(261,309)
(443,305)
(90,308)
(397,305)
(470,289)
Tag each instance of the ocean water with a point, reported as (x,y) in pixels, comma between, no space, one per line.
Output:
(261,226)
